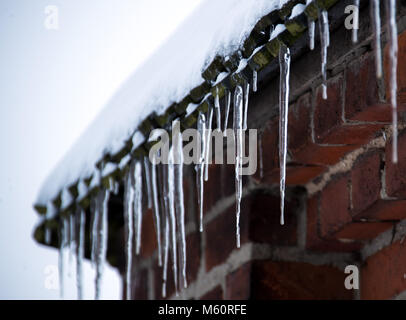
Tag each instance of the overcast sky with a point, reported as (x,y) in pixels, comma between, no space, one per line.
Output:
(52,84)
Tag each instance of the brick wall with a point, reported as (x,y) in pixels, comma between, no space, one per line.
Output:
(345,198)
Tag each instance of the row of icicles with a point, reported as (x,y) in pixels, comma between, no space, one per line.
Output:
(163,183)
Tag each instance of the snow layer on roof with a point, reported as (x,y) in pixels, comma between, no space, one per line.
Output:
(215,27)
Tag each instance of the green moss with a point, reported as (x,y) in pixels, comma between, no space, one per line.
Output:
(231,62)
(182,106)
(286,10)
(214,69)
(297,25)
(325,4)
(42,210)
(198,93)
(260,59)
(312,11)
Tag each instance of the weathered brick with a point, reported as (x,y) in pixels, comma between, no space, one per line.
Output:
(366,181)
(238,283)
(328,113)
(322,155)
(299,128)
(353,134)
(297,280)
(296,174)
(395,173)
(384,210)
(383,274)
(362,230)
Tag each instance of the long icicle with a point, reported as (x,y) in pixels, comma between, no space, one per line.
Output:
(246,101)
(137,206)
(63,241)
(80,251)
(179,199)
(324,44)
(312,27)
(284,64)
(217,107)
(238,126)
(129,229)
(165,254)
(157,219)
(254,81)
(172,217)
(376,21)
(356,22)
(393,62)
(201,125)
(207,152)
(94,221)
(228,105)
(147,173)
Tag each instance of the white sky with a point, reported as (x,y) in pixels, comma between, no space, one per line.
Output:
(52,84)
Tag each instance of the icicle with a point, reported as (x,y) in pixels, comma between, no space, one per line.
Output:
(254,80)
(128,227)
(165,253)
(228,104)
(324,43)
(217,107)
(157,219)
(246,97)
(208,144)
(179,199)
(261,165)
(284,64)
(71,242)
(102,236)
(148,181)
(393,63)
(201,125)
(376,21)
(137,206)
(172,217)
(94,222)
(238,122)
(80,251)
(63,242)
(311,26)
(356,22)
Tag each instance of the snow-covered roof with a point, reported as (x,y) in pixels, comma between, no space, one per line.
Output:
(182,67)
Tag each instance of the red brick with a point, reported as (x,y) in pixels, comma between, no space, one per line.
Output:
(377,113)
(366,181)
(299,129)
(193,254)
(361,86)
(354,134)
(385,210)
(328,113)
(362,230)
(322,155)
(395,173)
(214,294)
(383,275)
(296,174)
(297,280)
(334,206)
(238,283)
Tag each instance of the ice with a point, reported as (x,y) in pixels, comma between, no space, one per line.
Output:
(376,21)
(63,238)
(208,143)
(228,105)
(157,219)
(312,27)
(128,229)
(137,205)
(356,22)
(284,65)
(261,164)
(201,126)
(393,64)
(246,101)
(165,253)
(217,107)
(80,251)
(147,174)
(324,43)
(254,80)
(238,133)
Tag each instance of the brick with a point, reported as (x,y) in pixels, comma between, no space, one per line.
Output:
(297,280)
(214,294)
(299,128)
(395,173)
(322,155)
(296,174)
(362,230)
(353,134)
(193,254)
(334,206)
(385,210)
(238,283)
(220,235)
(377,113)
(383,274)
(366,181)
(358,97)
(328,113)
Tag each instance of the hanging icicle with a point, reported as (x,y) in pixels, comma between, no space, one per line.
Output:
(324,43)
(208,143)
(137,205)
(284,65)
(80,251)
(179,200)
(254,81)
(261,164)
(128,228)
(393,63)
(157,219)
(376,21)
(63,240)
(165,255)
(312,27)
(147,173)
(201,125)
(238,134)
(355,22)
(246,97)
(71,242)
(228,105)
(217,107)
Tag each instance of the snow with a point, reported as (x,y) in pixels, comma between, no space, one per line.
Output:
(215,28)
